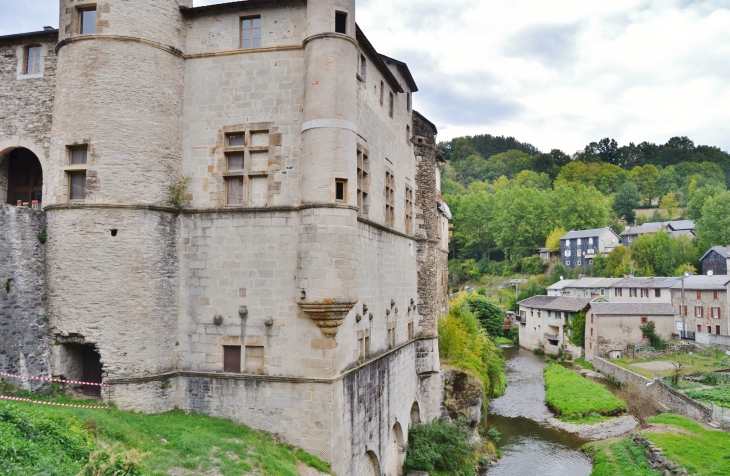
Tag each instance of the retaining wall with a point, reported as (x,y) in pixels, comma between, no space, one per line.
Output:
(712,339)
(676,402)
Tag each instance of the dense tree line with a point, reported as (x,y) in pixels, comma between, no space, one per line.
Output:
(512,203)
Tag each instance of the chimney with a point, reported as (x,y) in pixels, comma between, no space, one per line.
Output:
(48,28)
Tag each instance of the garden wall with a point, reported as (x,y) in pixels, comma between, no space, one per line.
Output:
(676,402)
(712,339)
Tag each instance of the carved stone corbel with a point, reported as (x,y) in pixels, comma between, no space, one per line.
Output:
(328,314)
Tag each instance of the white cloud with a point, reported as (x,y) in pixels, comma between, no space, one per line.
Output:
(557,74)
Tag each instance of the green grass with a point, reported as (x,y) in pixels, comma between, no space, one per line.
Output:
(589,419)
(692,364)
(719,395)
(621,458)
(30,437)
(701,452)
(584,363)
(571,396)
(503,341)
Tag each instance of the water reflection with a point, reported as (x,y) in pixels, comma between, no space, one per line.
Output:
(529,446)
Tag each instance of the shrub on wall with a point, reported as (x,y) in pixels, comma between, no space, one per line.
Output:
(464,344)
(442,448)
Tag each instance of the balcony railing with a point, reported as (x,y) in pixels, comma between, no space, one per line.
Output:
(687,335)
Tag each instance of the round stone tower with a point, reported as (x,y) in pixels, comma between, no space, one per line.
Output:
(328,261)
(116,148)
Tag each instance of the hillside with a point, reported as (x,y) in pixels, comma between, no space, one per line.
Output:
(58,441)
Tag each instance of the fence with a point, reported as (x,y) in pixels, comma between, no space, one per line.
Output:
(55,380)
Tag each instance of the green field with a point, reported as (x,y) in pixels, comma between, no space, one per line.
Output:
(55,441)
(621,458)
(584,363)
(573,397)
(691,364)
(699,451)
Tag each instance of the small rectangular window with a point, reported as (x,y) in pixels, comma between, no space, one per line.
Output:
(645,293)
(409,211)
(657,293)
(699,327)
(408,134)
(699,311)
(391,338)
(411,331)
(78,155)
(709,329)
(77,186)
(717,330)
(382,93)
(234,191)
(408,102)
(363,183)
(389,199)
(236,140)
(232,359)
(340,22)
(87,21)
(341,190)
(32,60)
(363,67)
(251,32)
(235,161)
(391,105)
(644,320)
(254,359)
(699,294)
(714,294)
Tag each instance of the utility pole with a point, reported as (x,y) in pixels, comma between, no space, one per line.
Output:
(683,311)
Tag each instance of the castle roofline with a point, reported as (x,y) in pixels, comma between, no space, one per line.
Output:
(404,70)
(368,47)
(216,7)
(49,32)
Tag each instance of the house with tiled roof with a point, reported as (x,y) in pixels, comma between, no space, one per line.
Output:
(716,260)
(543,323)
(579,248)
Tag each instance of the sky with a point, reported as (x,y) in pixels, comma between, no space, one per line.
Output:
(556,74)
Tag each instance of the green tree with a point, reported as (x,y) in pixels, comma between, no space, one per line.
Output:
(610,178)
(700,196)
(713,229)
(646,179)
(619,262)
(670,204)
(490,316)
(626,200)
(553,240)
(669,180)
(474,225)
(520,221)
(530,179)
(579,208)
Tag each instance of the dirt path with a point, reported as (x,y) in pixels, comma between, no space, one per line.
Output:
(598,431)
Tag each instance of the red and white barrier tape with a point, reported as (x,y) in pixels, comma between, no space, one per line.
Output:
(57,380)
(40,402)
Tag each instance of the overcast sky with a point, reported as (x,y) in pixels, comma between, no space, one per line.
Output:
(557,74)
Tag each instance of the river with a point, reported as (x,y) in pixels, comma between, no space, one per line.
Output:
(529,445)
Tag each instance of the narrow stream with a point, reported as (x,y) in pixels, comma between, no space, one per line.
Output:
(529,446)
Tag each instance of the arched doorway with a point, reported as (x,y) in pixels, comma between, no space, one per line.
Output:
(396,455)
(369,465)
(21,178)
(415,414)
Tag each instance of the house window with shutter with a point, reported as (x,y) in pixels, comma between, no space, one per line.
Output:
(232,359)
(699,311)
(715,312)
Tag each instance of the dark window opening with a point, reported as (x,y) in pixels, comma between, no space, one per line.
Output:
(77,186)
(78,155)
(24,179)
(232,359)
(657,293)
(341,22)
(340,190)
(391,105)
(363,67)
(114,232)
(87,21)
(717,330)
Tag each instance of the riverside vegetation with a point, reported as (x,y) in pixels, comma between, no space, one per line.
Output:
(448,447)
(57,441)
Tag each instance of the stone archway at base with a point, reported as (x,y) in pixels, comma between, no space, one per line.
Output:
(369,465)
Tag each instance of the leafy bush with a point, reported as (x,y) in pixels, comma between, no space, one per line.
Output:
(533,265)
(442,448)
(490,316)
(464,344)
(571,396)
(620,458)
(577,324)
(514,334)
(649,330)
(538,351)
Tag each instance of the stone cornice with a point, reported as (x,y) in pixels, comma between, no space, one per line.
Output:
(195,211)
(325,35)
(75,39)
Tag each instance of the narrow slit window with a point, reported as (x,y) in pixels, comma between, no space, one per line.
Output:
(251,32)
(408,102)
(87,21)
(391,105)
(32,60)
(341,190)
(341,22)
(77,186)
(382,93)
(363,67)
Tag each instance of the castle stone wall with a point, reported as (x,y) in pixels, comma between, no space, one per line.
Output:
(24,346)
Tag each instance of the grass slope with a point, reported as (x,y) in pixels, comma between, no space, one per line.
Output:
(700,451)
(621,458)
(571,396)
(58,441)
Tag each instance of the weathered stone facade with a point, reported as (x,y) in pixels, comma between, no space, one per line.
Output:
(309,306)
(23,323)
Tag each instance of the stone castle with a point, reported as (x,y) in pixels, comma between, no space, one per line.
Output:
(230,209)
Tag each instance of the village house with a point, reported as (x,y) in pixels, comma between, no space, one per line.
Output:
(702,304)
(578,248)
(673,228)
(240,216)
(594,288)
(543,322)
(560,288)
(611,327)
(716,260)
(641,289)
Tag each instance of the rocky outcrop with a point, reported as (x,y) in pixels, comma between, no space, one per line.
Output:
(464,397)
